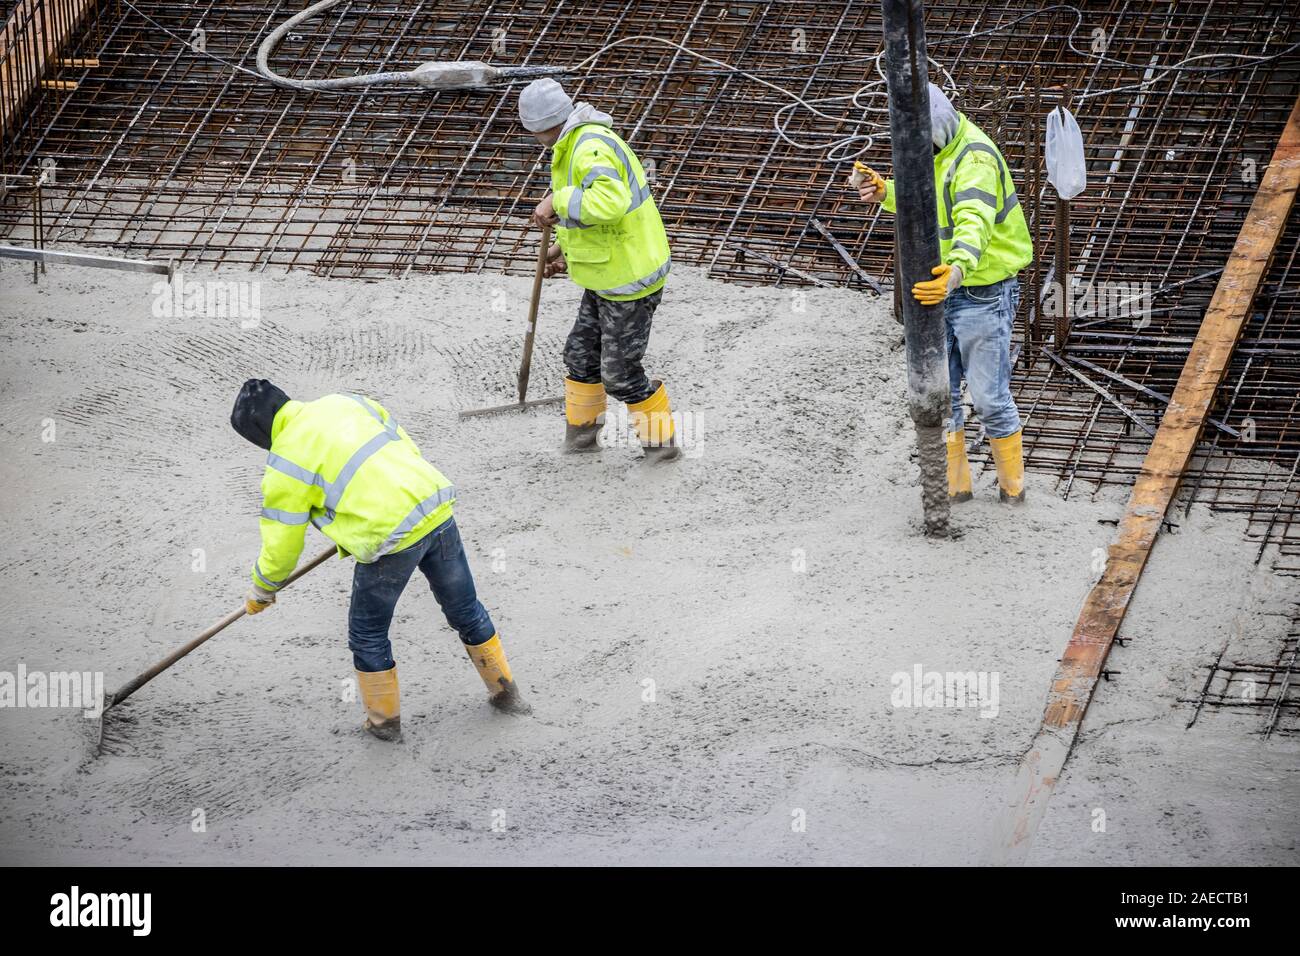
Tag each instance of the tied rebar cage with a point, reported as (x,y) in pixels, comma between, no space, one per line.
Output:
(171,146)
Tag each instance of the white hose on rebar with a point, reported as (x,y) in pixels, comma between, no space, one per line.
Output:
(273,39)
(433,75)
(472,74)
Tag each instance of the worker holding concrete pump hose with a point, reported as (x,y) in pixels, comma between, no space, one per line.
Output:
(613,243)
(343,464)
(983,243)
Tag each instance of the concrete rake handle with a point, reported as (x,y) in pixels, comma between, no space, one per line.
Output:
(127,690)
(526,366)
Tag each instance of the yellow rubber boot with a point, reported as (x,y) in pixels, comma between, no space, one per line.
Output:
(1009,458)
(959,487)
(584,413)
(653,421)
(490,661)
(381,699)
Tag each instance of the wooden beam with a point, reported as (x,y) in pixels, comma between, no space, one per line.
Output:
(30,42)
(1157,483)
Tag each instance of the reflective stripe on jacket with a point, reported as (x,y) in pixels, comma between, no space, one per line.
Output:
(981,223)
(610,231)
(342,464)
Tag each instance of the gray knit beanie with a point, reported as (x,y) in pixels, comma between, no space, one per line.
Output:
(543,104)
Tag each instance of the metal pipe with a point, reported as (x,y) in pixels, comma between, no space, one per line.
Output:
(42,256)
(1063,271)
(917,228)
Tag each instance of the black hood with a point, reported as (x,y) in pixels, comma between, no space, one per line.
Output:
(255,410)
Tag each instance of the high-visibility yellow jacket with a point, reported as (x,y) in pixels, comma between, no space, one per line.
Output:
(610,231)
(343,464)
(981,223)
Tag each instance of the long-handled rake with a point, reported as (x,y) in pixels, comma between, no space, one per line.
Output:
(526,366)
(106,734)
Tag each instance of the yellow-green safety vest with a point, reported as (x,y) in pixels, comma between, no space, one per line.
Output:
(342,464)
(981,223)
(609,230)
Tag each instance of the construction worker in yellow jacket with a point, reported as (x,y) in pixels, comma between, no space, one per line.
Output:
(612,242)
(983,243)
(344,465)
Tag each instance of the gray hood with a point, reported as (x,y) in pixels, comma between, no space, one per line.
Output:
(585,113)
(944,120)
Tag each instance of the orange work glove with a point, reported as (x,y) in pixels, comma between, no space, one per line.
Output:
(946,278)
(258,600)
(871,187)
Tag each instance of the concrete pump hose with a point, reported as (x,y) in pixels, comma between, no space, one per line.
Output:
(273,39)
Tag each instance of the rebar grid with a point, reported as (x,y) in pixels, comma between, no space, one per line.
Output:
(166,152)
(1271,688)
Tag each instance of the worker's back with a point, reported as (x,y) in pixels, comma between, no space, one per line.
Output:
(343,463)
(615,244)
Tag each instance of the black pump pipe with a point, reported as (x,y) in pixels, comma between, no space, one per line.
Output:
(917,229)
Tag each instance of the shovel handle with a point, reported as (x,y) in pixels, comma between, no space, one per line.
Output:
(125,691)
(526,366)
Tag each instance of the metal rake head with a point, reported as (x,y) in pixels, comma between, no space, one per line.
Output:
(114,726)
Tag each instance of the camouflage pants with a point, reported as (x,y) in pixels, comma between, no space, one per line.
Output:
(608,343)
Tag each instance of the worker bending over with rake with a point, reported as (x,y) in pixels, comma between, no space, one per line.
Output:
(344,465)
(983,243)
(612,241)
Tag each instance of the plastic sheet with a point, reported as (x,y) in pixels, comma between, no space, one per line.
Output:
(1067,170)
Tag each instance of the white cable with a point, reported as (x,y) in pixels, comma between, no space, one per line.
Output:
(836,149)
(272,40)
(460,75)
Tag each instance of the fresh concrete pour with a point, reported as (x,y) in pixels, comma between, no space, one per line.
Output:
(723,654)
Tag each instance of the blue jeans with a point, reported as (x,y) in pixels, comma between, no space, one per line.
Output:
(440,556)
(979,320)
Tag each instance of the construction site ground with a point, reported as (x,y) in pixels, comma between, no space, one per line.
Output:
(710,648)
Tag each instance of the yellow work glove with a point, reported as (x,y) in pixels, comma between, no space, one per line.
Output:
(946,278)
(258,600)
(870,185)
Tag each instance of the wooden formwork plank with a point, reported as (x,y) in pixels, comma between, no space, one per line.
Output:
(1157,483)
(30,41)
(1180,429)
